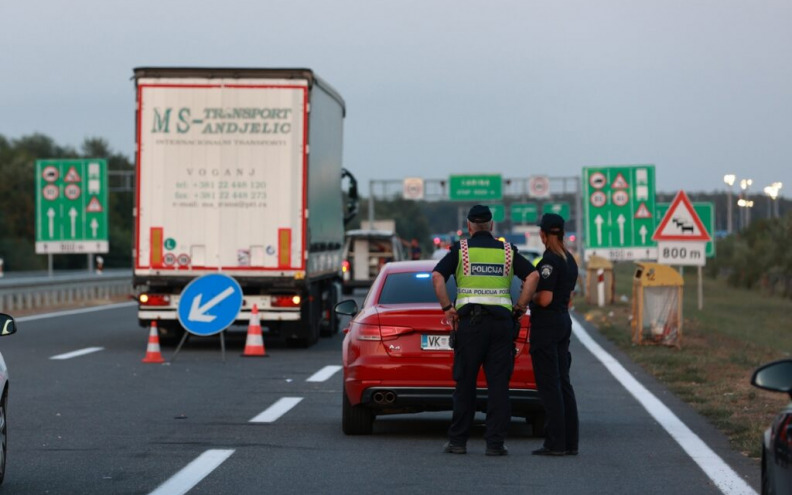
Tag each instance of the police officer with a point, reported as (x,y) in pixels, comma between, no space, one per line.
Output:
(483,318)
(551,328)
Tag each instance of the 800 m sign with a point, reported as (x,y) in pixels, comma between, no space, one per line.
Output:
(681,253)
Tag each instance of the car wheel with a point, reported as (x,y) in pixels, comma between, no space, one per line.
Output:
(356,420)
(3,436)
(766,489)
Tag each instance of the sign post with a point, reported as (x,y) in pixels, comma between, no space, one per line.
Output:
(208,305)
(498,212)
(559,208)
(524,213)
(706,213)
(619,212)
(475,187)
(682,238)
(71,206)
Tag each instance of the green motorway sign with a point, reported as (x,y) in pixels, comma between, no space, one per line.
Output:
(706,213)
(498,212)
(71,206)
(475,187)
(524,213)
(619,212)
(559,208)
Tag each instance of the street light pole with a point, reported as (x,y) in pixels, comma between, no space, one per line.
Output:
(746,215)
(772,191)
(729,180)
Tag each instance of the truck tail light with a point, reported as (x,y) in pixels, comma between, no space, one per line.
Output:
(291,301)
(345,266)
(154,299)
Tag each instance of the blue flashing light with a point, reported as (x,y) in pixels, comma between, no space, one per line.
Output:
(422,275)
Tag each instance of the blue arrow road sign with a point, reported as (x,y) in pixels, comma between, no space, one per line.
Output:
(210,304)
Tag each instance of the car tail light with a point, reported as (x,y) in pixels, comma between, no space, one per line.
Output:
(291,301)
(368,332)
(345,266)
(154,299)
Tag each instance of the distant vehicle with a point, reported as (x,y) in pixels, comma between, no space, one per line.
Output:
(529,253)
(365,253)
(777,440)
(225,183)
(396,356)
(7,327)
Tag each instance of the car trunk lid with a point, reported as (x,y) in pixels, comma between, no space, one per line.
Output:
(415,331)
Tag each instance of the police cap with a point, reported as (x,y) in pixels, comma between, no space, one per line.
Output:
(552,223)
(479,214)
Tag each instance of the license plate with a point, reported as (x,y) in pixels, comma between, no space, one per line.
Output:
(435,343)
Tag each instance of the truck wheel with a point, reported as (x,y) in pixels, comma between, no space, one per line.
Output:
(356,420)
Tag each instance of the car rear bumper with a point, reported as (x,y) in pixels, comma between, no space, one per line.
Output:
(397,400)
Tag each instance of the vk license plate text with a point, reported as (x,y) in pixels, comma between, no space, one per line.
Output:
(435,343)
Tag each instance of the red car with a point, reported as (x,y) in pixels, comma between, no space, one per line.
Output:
(396,356)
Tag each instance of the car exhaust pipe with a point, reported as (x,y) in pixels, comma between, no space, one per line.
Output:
(383,398)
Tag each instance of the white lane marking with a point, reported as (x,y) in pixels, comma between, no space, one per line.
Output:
(193,473)
(713,466)
(276,410)
(70,312)
(323,374)
(81,352)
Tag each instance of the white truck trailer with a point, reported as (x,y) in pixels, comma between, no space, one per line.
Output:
(239,171)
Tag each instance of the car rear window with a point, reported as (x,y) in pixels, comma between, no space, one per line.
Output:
(416,287)
(412,287)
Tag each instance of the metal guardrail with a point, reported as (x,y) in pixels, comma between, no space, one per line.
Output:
(32,291)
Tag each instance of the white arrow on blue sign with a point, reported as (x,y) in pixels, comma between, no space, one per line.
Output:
(210,304)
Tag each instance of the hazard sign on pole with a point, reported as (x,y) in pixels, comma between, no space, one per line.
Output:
(681,236)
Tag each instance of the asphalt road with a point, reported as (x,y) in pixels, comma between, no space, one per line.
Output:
(103,422)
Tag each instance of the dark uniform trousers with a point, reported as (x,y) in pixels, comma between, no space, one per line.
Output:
(551,362)
(482,339)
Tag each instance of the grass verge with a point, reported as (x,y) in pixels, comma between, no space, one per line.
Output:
(735,332)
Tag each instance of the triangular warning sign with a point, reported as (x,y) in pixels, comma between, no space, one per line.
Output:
(94,206)
(643,211)
(619,182)
(72,175)
(681,222)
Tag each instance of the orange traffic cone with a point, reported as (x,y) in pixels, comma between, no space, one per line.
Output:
(254,345)
(153,354)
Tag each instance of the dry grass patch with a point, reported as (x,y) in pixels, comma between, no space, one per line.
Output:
(712,370)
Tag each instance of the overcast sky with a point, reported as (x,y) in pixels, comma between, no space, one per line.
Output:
(700,88)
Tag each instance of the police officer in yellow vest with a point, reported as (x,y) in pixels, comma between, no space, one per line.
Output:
(483,317)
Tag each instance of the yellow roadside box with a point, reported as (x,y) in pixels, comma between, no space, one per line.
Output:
(657,305)
(593,267)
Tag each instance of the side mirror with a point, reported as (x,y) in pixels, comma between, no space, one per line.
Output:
(7,325)
(775,376)
(348,307)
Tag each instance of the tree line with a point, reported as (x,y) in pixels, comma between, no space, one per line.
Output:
(757,257)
